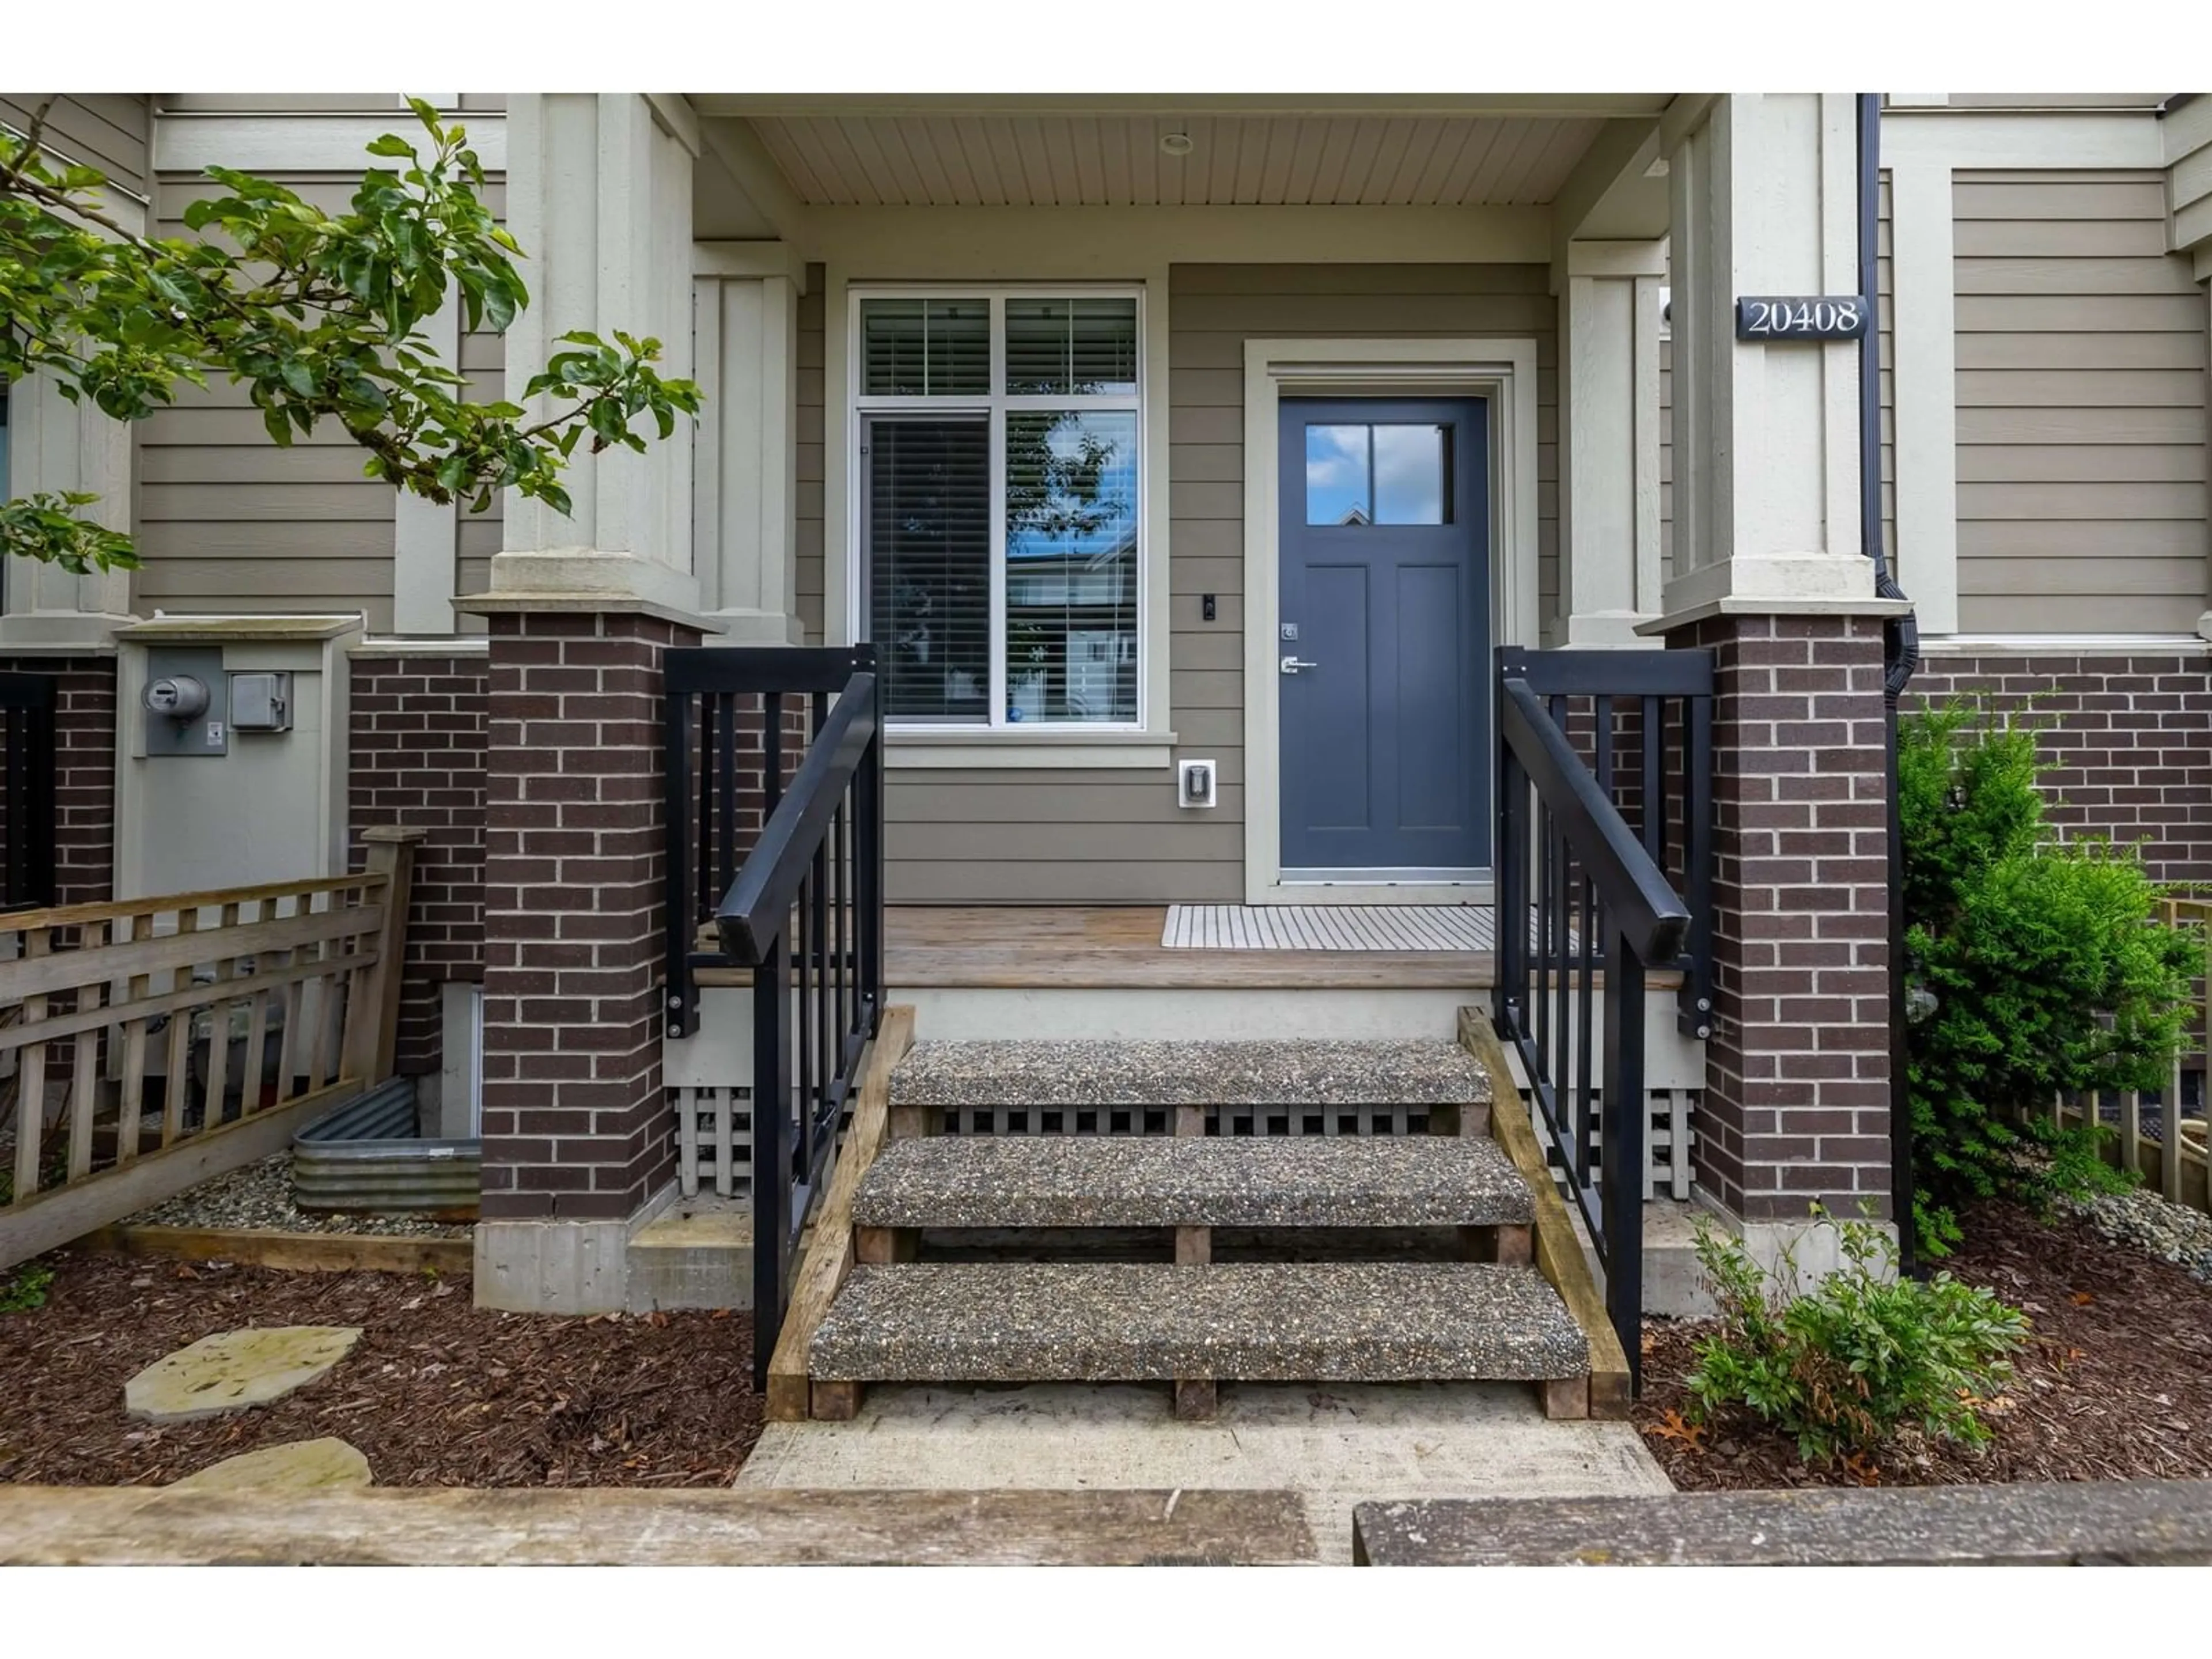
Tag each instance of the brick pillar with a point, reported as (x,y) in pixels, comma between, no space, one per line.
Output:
(415,728)
(84,773)
(577,1137)
(1797,1084)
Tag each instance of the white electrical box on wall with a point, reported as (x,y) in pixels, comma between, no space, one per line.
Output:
(261,702)
(1194,783)
(258,705)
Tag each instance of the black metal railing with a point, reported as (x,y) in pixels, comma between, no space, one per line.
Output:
(782,869)
(1604,824)
(28,805)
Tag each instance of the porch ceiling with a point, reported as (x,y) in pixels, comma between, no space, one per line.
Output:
(1115,159)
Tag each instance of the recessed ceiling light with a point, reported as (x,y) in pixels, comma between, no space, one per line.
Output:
(1176,143)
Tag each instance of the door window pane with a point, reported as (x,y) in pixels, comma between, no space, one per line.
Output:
(1413,474)
(1071,565)
(925,348)
(928,564)
(1070,348)
(1337,490)
(1379,475)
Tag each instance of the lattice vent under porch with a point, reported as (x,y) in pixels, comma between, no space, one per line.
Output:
(1159,1121)
(1669,1138)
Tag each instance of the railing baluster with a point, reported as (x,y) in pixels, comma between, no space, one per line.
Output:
(1622,1157)
(772,1217)
(1651,753)
(1585,1084)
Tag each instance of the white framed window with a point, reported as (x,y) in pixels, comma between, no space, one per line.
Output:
(998,446)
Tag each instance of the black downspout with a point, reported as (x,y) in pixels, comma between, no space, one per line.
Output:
(1900,657)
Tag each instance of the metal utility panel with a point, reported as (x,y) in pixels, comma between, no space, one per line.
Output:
(185,709)
(267,803)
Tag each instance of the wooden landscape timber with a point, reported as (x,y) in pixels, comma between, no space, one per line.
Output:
(831,1251)
(118,1526)
(1557,1251)
(268,1247)
(2037,1523)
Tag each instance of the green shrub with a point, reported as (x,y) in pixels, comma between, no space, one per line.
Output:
(2050,971)
(1844,1365)
(27,1289)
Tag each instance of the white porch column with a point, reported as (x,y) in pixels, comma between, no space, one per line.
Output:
(1609,440)
(1766,436)
(599,190)
(746,518)
(54,444)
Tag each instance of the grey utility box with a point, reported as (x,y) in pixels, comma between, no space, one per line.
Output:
(186,703)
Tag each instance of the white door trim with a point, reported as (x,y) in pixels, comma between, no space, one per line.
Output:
(1500,369)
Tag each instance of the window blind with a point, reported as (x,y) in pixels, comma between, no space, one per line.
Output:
(928,520)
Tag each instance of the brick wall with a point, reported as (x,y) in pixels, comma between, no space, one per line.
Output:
(2128,740)
(84,773)
(575,1127)
(1796,1102)
(417,737)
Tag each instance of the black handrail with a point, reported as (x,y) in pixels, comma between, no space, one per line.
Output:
(1629,885)
(1585,907)
(758,908)
(800,906)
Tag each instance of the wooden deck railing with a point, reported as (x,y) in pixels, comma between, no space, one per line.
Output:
(157,1042)
(2172,1160)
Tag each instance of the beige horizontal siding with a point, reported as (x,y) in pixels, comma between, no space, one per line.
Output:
(228,520)
(1118,836)
(308,103)
(2080,393)
(108,131)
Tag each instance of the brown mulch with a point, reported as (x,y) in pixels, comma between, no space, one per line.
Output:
(438,1392)
(2116,1382)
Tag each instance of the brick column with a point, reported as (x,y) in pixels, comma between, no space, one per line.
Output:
(84,772)
(1797,1084)
(416,737)
(577,1137)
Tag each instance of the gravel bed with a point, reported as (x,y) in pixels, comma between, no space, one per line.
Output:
(260,1195)
(2165,1232)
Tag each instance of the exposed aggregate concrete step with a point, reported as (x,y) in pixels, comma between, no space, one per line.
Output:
(1297,1321)
(1056,1074)
(1132,1180)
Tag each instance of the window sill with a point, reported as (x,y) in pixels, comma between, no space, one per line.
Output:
(1029,750)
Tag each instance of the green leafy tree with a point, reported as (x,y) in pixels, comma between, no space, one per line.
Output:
(319,315)
(2050,971)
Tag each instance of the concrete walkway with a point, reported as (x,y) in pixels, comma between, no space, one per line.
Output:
(1336,1445)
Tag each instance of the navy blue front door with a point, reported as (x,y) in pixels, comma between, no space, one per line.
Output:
(1384,632)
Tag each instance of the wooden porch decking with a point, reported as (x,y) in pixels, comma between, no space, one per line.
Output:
(1116,947)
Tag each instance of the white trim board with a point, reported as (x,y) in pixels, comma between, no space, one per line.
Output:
(1923,348)
(1501,369)
(2064,645)
(186,142)
(2042,139)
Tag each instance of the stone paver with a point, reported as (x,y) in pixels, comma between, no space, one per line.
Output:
(233,1370)
(296,1466)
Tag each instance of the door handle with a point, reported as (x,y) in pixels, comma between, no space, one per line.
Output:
(1292,664)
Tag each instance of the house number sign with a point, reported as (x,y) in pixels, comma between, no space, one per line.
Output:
(1803,317)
